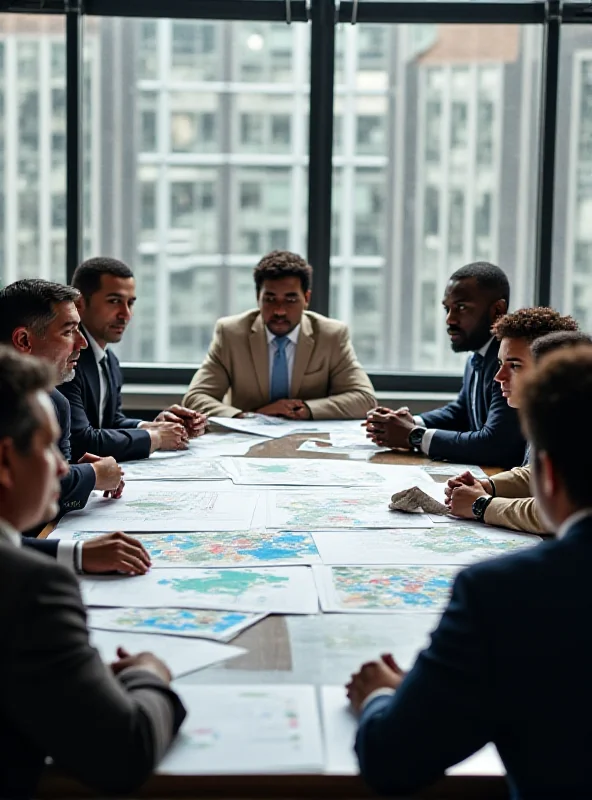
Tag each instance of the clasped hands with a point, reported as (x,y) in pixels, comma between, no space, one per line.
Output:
(462,491)
(290,408)
(388,428)
(383,673)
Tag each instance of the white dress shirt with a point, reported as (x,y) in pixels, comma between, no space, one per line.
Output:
(290,350)
(428,435)
(99,354)
(69,552)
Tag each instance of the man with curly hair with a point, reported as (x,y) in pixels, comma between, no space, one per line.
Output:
(506,499)
(281,359)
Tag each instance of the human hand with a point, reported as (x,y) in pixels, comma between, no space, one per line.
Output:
(382,674)
(168,436)
(145,661)
(115,552)
(292,409)
(193,422)
(462,499)
(109,475)
(389,428)
(465,479)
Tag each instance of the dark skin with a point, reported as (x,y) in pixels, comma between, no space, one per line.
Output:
(470,313)
(282,301)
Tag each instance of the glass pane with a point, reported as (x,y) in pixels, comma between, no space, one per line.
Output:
(572,232)
(434,167)
(32,148)
(202,179)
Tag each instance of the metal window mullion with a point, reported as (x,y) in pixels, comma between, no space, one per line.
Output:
(73,140)
(420,204)
(11,206)
(523,218)
(298,143)
(471,175)
(572,204)
(45,183)
(348,180)
(442,341)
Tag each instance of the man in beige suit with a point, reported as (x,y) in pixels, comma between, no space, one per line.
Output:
(281,360)
(525,337)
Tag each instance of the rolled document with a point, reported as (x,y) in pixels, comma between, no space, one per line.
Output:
(416,500)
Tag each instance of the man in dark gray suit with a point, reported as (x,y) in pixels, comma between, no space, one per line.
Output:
(108,725)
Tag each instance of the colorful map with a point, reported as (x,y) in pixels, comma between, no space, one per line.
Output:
(479,542)
(227,549)
(221,625)
(304,472)
(397,588)
(229,582)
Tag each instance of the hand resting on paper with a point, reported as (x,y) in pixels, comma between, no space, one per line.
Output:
(384,673)
(145,661)
(115,552)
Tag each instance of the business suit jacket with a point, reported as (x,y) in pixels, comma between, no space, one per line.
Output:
(513,505)
(58,699)
(493,437)
(510,664)
(326,374)
(119,435)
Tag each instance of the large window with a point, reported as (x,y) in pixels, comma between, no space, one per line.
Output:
(203,167)
(435,125)
(32,148)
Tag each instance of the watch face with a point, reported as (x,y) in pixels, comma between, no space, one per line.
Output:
(416,436)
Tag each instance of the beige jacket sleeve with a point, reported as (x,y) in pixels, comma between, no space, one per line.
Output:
(351,393)
(513,483)
(519,514)
(211,382)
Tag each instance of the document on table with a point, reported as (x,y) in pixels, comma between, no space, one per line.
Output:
(278,590)
(385,589)
(451,470)
(443,544)
(254,729)
(221,626)
(165,506)
(247,548)
(309,472)
(182,469)
(180,655)
(337,508)
(339,730)
(276,427)
(228,443)
(321,447)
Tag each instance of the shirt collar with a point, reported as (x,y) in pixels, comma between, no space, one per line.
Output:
(9,533)
(292,336)
(485,348)
(573,520)
(98,351)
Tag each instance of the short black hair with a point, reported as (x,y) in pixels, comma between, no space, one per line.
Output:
(283,264)
(554,341)
(560,388)
(20,376)
(87,276)
(488,277)
(532,323)
(31,303)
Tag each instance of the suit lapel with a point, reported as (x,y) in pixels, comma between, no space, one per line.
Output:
(91,371)
(260,356)
(110,406)
(304,350)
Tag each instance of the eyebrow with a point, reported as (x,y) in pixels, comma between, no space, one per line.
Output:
(120,296)
(71,324)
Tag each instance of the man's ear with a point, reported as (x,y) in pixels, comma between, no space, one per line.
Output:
(498,309)
(6,450)
(21,340)
(548,476)
(80,304)
(307,296)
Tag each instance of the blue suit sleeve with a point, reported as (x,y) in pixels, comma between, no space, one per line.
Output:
(47,546)
(498,443)
(438,716)
(77,485)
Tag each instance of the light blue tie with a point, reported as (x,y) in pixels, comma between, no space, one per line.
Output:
(280,384)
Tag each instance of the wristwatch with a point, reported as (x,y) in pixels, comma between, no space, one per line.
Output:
(416,438)
(480,506)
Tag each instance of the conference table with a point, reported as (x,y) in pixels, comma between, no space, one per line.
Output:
(315,650)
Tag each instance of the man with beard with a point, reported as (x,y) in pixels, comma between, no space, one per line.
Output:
(478,427)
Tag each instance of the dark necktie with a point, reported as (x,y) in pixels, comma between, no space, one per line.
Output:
(476,382)
(103,365)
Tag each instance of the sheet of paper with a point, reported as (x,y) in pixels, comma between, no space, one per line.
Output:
(337,508)
(257,424)
(181,469)
(445,544)
(221,626)
(256,729)
(180,655)
(247,548)
(383,589)
(165,506)
(227,443)
(451,470)
(355,440)
(324,448)
(281,590)
(310,472)
(159,455)
(339,733)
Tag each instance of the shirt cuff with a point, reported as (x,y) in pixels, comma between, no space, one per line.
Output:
(69,554)
(418,420)
(427,440)
(384,692)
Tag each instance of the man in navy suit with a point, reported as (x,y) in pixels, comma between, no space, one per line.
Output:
(478,427)
(107,298)
(39,318)
(510,660)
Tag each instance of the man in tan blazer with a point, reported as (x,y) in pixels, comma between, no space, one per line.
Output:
(508,497)
(281,360)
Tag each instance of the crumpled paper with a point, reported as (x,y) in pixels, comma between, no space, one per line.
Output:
(416,500)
